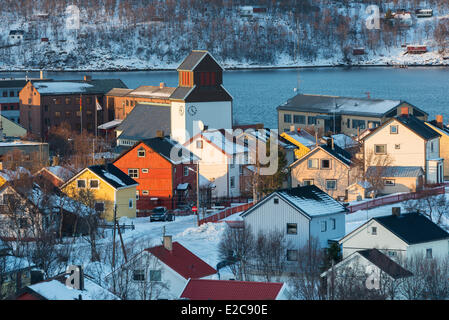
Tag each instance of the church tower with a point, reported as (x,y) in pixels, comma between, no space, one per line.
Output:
(200,101)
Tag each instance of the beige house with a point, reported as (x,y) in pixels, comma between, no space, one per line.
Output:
(398,179)
(340,114)
(326,166)
(358,191)
(405,141)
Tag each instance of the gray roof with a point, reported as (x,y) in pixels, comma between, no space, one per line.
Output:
(119,92)
(144,121)
(345,105)
(384,263)
(152,92)
(192,60)
(395,171)
(181,93)
(310,200)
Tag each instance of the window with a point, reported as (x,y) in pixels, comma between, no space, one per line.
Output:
(287,118)
(133,173)
(131,203)
(11,93)
(232,182)
(57,114)
(431,147)
(373,124)
(145,192)
(139,275)
(292,255)
(389,182)
(68,113)
(81,184)
(312,164)
(155,275)
(311,120)
(333,224)
(94,184)
(67,100)
(137,195)
(46,108)
(429,253)
(358,124)
(392,254)
(5,93)
(307,182)
(186,171)
(331,184)
(144,170)
(199,144)
(397,146)
(141,153)
(292,228)
(89,100)
(58,100)
(276,201)
(394,129)
(299,119)
(323,226)
(380,149)
(99,206)
(325,164)
(374,231)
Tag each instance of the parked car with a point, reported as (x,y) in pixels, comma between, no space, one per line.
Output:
(161,214)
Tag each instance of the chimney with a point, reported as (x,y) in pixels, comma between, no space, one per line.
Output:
(168,244)
(160,133)
(404,111)
(396,211)
(161,85)
(87,78)
(292,128)
(299,130)
(439,120)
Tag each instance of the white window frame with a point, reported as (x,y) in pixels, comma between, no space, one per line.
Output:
(323,226)
(130,203)
(85,184)
(144,153)
(312,161)
(145,171)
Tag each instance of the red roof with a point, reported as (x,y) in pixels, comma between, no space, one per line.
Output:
(201,289)
(182,261)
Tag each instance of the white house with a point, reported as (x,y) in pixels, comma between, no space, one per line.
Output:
(406,141)
(221,160)
(16,36)
(160,272)
(365,263)
(300,213)
(398,236)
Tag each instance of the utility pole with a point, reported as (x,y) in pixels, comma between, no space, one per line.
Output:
(198,192)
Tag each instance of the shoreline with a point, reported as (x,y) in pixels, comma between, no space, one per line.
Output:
(255,68)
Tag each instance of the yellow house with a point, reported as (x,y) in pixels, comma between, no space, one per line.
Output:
(303,140)
(439,127)
(111,188)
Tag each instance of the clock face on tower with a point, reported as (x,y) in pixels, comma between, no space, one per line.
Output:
(181,110)
(192,110)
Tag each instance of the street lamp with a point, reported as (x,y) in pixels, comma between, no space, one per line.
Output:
(197,191)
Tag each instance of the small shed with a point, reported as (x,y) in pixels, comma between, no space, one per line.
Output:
(416,49)
(358,191)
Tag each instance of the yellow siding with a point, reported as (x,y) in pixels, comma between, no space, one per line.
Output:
(107,194)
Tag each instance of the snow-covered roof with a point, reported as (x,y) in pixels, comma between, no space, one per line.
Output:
(61,87)
(223,142)
(309,200)
(343,141)
(302,137)
(56,290)
(110,125)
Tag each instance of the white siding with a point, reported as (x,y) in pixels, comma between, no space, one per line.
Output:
(269,217)
(440,249)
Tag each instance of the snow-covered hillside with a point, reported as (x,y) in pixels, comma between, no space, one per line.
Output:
(154,34)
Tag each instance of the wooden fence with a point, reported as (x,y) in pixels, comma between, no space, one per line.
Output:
(395,199)
(226,213)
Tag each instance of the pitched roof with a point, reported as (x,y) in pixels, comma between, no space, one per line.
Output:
(436,126)
(418,126)
(201,94)
(55,289)
(395,171)
(302,137)
(202,289)
(413,228)
(166,146)
(113,175)
(339,153)
(144,121)
(152,92)
(183,261)
(310,200)
(385,264)
(194,58)
(345,105)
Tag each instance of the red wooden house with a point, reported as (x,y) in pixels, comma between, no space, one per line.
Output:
(166,177)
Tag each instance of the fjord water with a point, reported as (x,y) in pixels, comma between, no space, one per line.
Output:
(257,93)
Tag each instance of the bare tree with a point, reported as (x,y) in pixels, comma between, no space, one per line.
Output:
(436,208)
(237,246)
